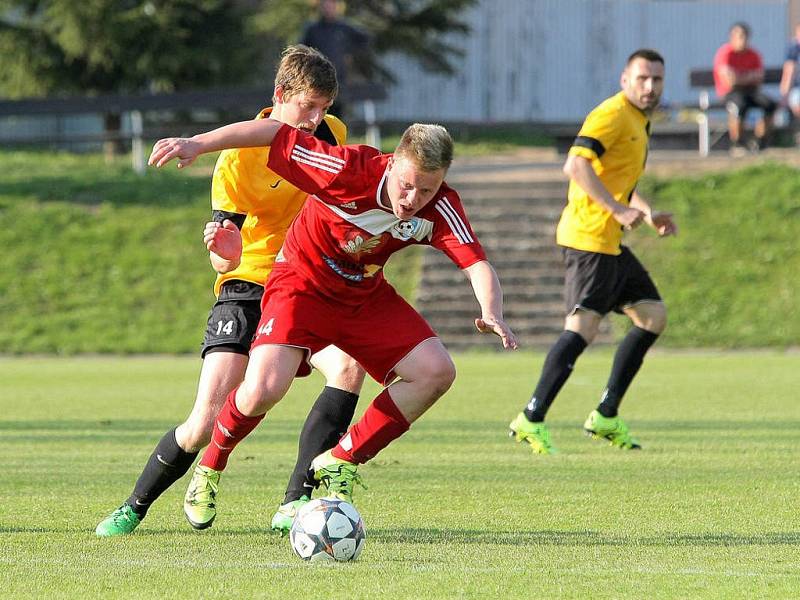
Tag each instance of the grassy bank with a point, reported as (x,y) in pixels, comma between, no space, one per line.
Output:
(730,278)
(98,259)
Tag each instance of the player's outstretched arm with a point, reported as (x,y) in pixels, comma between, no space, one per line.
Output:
(490,297)
(224,243)
(245,134)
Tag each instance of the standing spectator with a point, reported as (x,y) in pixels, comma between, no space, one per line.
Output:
(790,80)
(340,42)
(738,74)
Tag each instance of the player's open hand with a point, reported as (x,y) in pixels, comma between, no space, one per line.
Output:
(223,239)
(663,224)
(184,149)
(498,327)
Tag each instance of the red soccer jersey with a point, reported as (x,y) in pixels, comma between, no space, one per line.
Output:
(344,234)
(746,60)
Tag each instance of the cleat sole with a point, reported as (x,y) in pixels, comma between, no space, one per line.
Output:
(200,526)
(595,436)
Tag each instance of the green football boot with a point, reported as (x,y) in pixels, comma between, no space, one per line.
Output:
(282,520)
(537,435)
(338,476)
(120,522)
(613,429)
(200,503)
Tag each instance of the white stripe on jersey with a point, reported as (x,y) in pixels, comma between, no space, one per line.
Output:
(333,161)
(453,219)
(319,154)
(299,158)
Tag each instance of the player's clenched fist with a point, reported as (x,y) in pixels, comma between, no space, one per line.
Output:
(223,239)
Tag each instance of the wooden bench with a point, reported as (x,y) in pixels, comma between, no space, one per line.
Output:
(703,79)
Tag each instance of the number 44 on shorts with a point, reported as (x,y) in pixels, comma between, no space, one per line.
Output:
(266,328)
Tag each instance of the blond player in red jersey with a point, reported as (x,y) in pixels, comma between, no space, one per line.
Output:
(327,286)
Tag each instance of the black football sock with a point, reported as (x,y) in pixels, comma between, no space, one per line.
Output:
(326,423)
(627,360)
(168,463)
(555,372)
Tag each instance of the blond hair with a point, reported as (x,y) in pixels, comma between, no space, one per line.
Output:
(303,69)
(429,147)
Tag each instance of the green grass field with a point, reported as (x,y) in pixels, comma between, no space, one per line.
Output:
(100,260)
(454,509)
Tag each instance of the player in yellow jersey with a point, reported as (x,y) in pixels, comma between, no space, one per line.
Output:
(604,165)
(255,207)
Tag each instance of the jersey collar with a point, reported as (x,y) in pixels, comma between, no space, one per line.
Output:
(378,193)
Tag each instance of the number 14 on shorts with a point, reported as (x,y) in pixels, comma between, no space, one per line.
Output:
(225,327)
(266,328)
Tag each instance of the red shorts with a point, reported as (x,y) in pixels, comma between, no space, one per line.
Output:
(378,333)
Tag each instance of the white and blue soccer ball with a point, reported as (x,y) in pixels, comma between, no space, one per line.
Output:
(328,529)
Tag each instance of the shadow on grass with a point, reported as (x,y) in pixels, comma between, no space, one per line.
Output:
(468,428)
(475,536)
(134,431)
(579,538)
(461,427)
(127,425)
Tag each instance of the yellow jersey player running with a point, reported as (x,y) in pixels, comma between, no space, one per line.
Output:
(604,164)
(254,207)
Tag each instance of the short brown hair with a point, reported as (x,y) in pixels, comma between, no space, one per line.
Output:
(304,69)
(647,54)
(430,147)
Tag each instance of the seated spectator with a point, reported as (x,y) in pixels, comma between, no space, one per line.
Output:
(738,74)
(790,79)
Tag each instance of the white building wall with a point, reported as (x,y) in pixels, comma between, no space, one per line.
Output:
(553,60)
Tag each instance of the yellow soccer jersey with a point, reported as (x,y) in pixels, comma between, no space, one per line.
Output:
(614,137)
(262,204)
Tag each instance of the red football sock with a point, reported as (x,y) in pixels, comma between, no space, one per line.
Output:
(382,422)
(230,428)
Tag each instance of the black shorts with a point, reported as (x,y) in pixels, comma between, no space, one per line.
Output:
(233,319)
(738,102)
(602,282)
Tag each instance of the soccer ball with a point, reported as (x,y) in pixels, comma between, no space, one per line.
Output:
(328,529)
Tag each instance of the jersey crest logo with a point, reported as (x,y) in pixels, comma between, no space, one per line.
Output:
(351,205)
(404,230)
(414,228)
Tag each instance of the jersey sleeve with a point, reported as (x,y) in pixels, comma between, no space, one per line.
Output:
(452,233)
(335,173)
(793,51)
(598,133)
(722,58)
